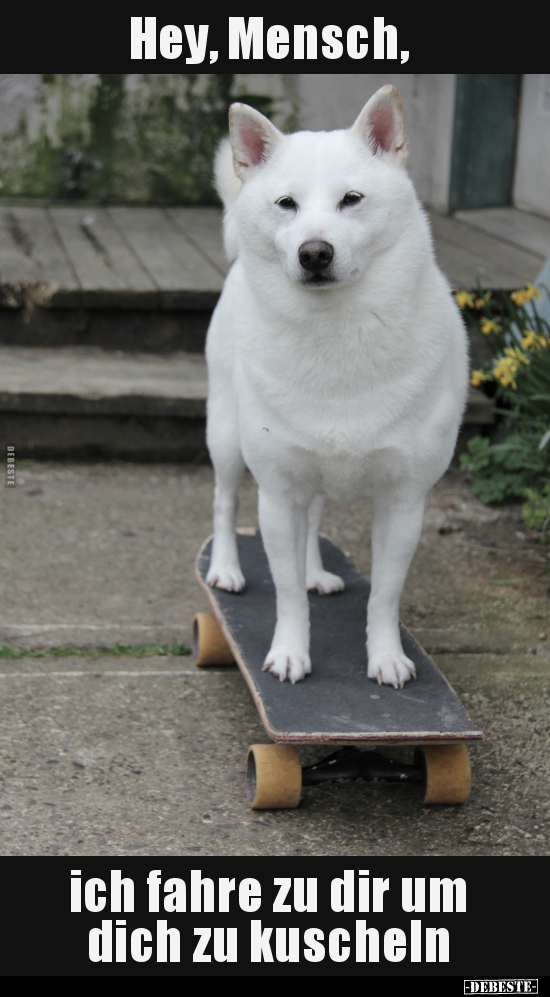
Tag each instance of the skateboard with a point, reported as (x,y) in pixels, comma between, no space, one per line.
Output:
(336,702)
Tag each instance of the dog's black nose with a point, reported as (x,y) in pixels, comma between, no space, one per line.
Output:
(315,255)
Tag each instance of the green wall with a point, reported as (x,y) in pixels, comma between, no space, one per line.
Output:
(112,138)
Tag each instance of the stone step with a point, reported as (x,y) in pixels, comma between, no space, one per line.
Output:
(85,403)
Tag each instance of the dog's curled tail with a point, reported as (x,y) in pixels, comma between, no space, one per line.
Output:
(228,186)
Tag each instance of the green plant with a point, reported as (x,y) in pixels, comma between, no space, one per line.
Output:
(519,376)
(536,511)
(116,650)
(504,470)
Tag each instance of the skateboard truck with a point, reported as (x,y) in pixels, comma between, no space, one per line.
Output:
(370,766)
(274,776)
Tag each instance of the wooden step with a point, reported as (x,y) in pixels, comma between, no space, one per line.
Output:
(517,228)
(101,258)
(119,278)
(471,246)
(144,278)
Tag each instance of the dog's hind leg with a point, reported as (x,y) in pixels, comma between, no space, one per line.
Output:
(225,451)
(317,578)
(396,528)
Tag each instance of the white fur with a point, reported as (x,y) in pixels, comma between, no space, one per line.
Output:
(345,389)
(228,186)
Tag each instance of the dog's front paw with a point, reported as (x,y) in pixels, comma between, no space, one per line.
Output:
(391,669)
(229,578)
(324,582)
(287,665)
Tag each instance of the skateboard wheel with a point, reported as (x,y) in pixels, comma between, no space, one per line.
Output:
(448,775)
(273,776)
(209,644)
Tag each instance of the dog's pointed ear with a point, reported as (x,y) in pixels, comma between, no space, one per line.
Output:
(253,139)
(382,126)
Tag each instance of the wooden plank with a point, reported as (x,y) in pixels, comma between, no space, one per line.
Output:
(17,265)
(103,229)
(203,227)
(530,232)
(462,251)
(34,268)
(108,271)
(185,276)
(36,253)
(88,258)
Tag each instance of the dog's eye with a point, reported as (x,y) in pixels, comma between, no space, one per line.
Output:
(287,203)
(352,197)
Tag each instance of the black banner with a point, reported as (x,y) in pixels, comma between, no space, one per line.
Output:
(400,41)
(470,918)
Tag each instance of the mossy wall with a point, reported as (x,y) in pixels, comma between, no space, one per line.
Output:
(113,138)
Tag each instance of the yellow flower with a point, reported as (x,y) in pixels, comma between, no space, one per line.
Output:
(487,326)
(478,377)
(506,367)
(525,294)
(481,302)
(514,354)
(519,297)
(531,292)
(530,340)
(463,299)
(505,372)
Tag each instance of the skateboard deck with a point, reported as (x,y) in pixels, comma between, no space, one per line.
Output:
(336,702)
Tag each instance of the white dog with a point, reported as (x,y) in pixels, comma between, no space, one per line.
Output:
(337,363)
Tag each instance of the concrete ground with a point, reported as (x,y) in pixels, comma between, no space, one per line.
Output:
(115,754)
